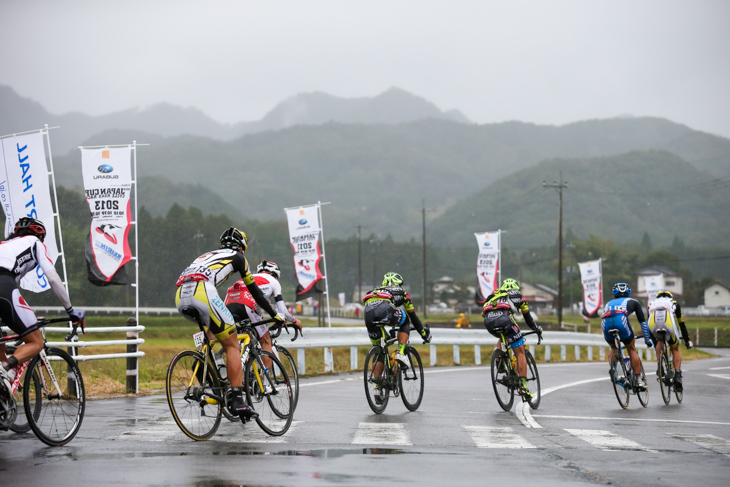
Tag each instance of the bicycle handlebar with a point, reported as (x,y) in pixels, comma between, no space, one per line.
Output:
(274,330)
(534,332)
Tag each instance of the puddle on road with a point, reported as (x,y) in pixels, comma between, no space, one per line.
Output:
(319,453)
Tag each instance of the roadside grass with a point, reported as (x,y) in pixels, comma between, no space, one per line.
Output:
(166,336)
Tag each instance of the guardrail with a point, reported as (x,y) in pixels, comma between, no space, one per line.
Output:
(354,337)
(132,342)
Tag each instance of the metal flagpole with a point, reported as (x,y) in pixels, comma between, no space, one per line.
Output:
(57,214)
(136,233)
(324,262)
(499,256)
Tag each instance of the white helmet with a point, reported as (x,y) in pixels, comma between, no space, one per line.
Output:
(270,267)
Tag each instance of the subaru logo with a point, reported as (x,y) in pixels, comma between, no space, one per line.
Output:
(303,221)
(487,244)
(105,168)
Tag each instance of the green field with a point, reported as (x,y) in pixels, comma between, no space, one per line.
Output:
(165,336)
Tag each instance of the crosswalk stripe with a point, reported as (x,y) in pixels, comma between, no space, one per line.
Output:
(720,376)
(605,440)
(496,437)
(711,442)
(381,434)
(254,434)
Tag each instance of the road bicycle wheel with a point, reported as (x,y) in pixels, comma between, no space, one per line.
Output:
(376,388)
(291,371)
(620,380)
(533,380)
(54,397)
(191,397)
(410,380)
(269,393)
(501,380)
(20,425)
(643,395)
(678,394)
(665,378)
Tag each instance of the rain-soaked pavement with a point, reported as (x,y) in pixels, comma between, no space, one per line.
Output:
(459,436)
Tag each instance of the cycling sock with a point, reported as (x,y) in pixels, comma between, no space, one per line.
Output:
(401,348)
(9,363)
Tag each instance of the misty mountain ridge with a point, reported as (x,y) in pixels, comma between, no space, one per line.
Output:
(390,107)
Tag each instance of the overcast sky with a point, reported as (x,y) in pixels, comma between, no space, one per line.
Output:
(547,61)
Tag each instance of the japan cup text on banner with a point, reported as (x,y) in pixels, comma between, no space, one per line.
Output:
(108,184)
(25,192)
(590,279)
(487,262)
(304,230)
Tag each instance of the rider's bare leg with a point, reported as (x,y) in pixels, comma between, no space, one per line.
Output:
(521,360)
(32,346)
(635,360)
(265,342)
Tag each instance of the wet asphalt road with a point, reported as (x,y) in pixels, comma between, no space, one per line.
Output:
(459,436)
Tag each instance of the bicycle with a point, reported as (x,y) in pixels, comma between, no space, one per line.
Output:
(506,380)
(53,408)
(287,361)
(404,382)
(622,375)
(665,371)
(198,395)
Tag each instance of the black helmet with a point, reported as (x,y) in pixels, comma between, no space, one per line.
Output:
(33,227)
(235,239)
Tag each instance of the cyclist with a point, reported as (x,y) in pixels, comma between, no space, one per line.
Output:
(662,313)
(19,254)
(498,312)
(196,288)
(616,317)
(242,305)
(381,307)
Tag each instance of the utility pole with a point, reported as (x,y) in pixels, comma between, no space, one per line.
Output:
(359,264)
(559,188)
(425,285)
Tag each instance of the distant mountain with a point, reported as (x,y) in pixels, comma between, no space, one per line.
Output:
(618,197)
(379,175)
(393,106)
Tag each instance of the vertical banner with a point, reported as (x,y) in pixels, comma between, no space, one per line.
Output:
(487,264)
(590,279)
(304,229)
(653,285)
(25,191)
(108,184)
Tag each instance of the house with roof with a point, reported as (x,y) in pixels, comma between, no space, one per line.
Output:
(672,281)
(717,295)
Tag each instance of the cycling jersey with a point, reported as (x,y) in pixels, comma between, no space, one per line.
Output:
(498,320)
(19,256)
(381,307)
(662,314)
(239,300)
(616,317)
(197,289)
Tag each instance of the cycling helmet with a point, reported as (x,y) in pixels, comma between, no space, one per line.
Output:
(509,284)
(392,279)
(664,294)
(235,239)
(270,267)
(621,289)
(32,227)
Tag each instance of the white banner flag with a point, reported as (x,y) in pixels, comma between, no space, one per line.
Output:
(590,279)
(488,262)
(108,183)
(653,285)
(25,191)
(304,228)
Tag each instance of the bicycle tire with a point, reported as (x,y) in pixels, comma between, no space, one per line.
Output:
(290,366)
(374,355)
(410,380)
(533,380)
(643,395)
(189,395)
(679,394)
(501,380)
(20,425)
(620,388)
(275,409)
(664,378)
(61,410)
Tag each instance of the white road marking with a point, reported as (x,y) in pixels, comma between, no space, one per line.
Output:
(605,440)
(381,434)
(601,418)
(254,434)
(711,442)
(496,437)
(308,384)
(524,415)
(719,368)
(159,431)
(720,376)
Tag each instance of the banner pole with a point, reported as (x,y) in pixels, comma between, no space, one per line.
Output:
(324,259)
(58,210)
(499,256)
(136,232)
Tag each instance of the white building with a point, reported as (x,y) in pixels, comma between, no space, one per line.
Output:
(717,295)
